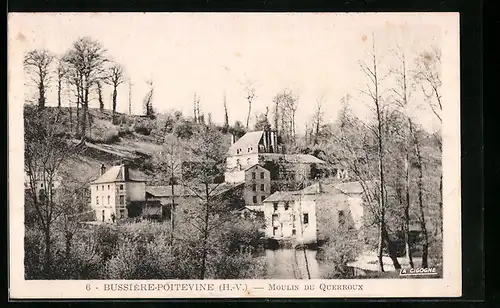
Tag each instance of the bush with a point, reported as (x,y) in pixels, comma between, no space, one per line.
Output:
(33,254)
(124,130)
(111,136)
(144,126)
(341,249)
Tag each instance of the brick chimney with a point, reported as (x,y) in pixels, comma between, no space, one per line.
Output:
(103,169)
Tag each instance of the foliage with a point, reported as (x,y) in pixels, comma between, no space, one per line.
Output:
(341,249)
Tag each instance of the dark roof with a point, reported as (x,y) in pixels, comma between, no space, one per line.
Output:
(316,189)
(292,158)
(189,191)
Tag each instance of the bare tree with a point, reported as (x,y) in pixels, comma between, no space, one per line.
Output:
(99,95)
(196,109)
(374,94)
(286,103)
(226,115)
(249,96)
(208,152)
(37,63)
(45,151)
(115,78)
(61,72)
(402,98)
(318,117)
(148,100)
(169,163)
(85,61)
(427,74)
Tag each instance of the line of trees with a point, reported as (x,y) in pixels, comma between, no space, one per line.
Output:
(81,71)
(385,154)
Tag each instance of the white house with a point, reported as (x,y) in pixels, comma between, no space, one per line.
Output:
(313,213)
(113,191)
(42,185)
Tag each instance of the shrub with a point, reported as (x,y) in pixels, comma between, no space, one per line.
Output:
(341,249)
(144,126)
(111,136)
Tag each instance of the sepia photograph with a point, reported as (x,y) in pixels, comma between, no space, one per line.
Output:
(205,147)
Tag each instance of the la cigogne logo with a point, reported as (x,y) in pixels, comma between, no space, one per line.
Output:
(418,271)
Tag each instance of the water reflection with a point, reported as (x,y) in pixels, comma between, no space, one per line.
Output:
(292,264)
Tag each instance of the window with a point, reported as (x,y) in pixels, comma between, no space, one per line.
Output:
(306,218)
(97,188)
(248,150)
(41,185)
(253,175)
(275,229)
(294,232)
(97,200)
(121,186)
(102,187)
(262,198)
(109,198)
(262,175)
(262,187)
(287,205)
(238,164)
(122,199)
(341,218)
(122,213)
(108,186)
(102,215)
(275,206)
(254,187)
(42,195)
(248,161)
(254,199)
(102,200)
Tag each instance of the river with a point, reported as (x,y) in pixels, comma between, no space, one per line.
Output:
(293,264)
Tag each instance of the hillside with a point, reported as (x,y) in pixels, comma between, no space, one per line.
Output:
(130,138)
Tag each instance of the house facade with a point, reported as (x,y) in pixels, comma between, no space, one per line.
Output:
(257,185)
(313,213)
(264,148)
(114,191)
(41,184)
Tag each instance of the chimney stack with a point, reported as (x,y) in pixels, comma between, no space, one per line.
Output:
(103,169)
(125,172)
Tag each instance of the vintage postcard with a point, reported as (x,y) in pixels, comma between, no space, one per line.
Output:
(241,155)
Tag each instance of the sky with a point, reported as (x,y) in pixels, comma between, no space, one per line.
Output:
(313,54)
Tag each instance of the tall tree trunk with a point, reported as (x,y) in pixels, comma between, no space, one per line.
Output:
(115,94)
(425,245)
(407,210)
(390,248)
(71,118)
(205,235)
(85,108)
(59,93)
(172,210)
(249,111)
(48,251)
(41,92)
(380,248)
(68,239)
(99,93)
